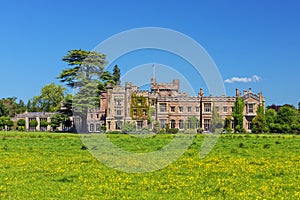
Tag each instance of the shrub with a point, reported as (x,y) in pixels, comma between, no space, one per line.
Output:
(173,130)
(162,130)
(21,122)
(156,127)
(44,123)
(145,130)
(33,124)
(199,130)
(128,127)
(295,128)
(286,128)
(9,124)
(275,128)
(103,128)
(21,128)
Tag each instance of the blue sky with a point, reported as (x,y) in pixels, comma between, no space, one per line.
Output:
(244,38)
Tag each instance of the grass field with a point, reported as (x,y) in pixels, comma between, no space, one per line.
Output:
(54,166)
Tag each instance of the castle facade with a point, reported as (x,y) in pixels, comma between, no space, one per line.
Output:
(167,106)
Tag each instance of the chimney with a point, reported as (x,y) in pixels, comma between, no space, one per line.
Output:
(237,92)
(245,92)
(201,92)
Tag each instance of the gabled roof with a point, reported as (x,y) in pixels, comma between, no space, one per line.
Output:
(250,95)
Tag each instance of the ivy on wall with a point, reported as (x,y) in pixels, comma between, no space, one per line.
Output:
(139,107)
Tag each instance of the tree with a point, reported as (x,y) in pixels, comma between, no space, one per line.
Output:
(49,100)
(85,99)
(84,76)
(216,121)
(44,124)
(32,104)
(68,123)
(156,127)
(33,124)
(11,106)
(84,65)
(21,107)
(5,121)
(116,74)
(259,122)
(287,114)
(106,78)
(9,124)
(57,120)
(237,114)
(21,124)
(193,121)
(227,124)
(271,116)
(67,105)
(3,110)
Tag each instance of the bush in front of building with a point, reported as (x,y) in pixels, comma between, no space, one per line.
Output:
(21,125)
(103,128)
(173,130)
(128,127)
(33,124)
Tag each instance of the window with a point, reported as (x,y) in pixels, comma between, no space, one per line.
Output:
(250,108)
(207,107)
(152,102)
(98,128)
(92,116)
(225,109)
(189,124)
(172,123)
(197,124)
(118,125)
(153,113)
(197,109)
(92,127)
(139,125)
(180,124)
(108,125)
(97,115)
(249,125)
(172,108)
(217,108)
(206,124)
(144,112)
(180,109)
(134,112)
(119,112)
(163,107)
(232,109)
(139,102)
(189,109)
(162,123)
(118,102)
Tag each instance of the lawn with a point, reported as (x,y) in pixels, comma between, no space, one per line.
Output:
(56,166)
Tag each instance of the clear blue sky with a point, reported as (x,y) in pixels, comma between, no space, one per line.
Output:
(244,38)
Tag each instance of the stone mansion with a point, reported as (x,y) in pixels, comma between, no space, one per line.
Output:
(166,104)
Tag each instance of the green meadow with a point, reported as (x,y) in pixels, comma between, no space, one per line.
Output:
(57,166)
